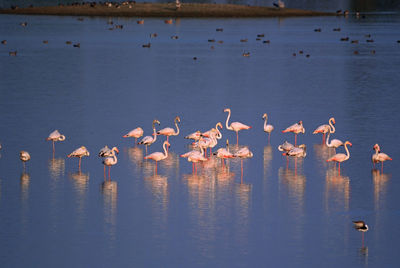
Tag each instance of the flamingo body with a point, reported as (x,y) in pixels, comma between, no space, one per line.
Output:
(299,151)
(244,153)
(295,128)
(267,128)
(379,157)
(80,152)
(55,136)
(286,146)
(134,133)
(326,128)
(339,158)
(24,156)
(235,126)
(170,131)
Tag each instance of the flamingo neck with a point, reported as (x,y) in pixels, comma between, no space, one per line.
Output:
(61,138)
(227,120)
(165,150)
(327,139)
(265,122)
(219,134)
(332,127)
(177,128)
(155,134)
(347,151)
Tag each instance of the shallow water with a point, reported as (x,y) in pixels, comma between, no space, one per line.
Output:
(300,215)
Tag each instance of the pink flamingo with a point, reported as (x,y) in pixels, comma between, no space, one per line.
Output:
(195,156)
(218,133)
(149,140)
(170,131)
(286,147)
(235,126)
(158,156)
(379,157)
(107,152)
(267,128)
(341,157)
(325,129)
(243,153)
(194,136)
(335,143)
(296,129)
(208,142)
(361,227)
(296,152)
(134,133)
(80,152)
(55,136)
(224,153)
(24,156)
(110,160)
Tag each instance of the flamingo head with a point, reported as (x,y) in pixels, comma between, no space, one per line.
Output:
(376,147)
(333,120)
(265,116)
(349,143)
(219,125)
(115,149)
(227,110)
(167,143)
(178,119)
(303,146)
(300,122)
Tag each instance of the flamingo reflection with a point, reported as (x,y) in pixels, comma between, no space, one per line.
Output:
(56,167)
(24,182)
(109,189)
(337,188)
(380,181)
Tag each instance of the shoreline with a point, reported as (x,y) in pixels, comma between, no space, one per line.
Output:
(166,10)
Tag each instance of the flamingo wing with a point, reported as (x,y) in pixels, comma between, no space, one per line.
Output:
(166,131)
(236,126)
(147,140)
(337,158)
(322,129)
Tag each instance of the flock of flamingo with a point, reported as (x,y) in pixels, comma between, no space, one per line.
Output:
(202,141)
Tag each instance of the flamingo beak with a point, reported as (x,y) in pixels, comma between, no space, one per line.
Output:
(350,144)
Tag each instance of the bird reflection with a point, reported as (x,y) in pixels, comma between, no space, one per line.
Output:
(267,158)
(56,167)
(171,163)
(296,183)
(380,184)
(135,155)
(24,182)
(158,185)
(109,190)
(322,152)
(80,181)
(337,190)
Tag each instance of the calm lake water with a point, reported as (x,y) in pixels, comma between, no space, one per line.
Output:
(51,215)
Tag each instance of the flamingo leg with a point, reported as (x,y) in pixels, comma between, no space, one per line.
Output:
(382,167)
(223,163)
(80,158)
(146,149)
(295,166)
(135,141)
(339,168)
(104,171)
(237,137)
(109,169)
(193,167)
(295,139)
(156,167)
(53,148)
(374,164)
(241,169)
(323,138)
(269,137)
(362,239)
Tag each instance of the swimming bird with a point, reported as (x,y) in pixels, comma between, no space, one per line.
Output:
(267,128)
(379,157)
(149,140)
(235,126)
(80,152)
(134,133)
(325,128)
(158,156)
(170,131)
(361,227)
(296,129)
(55,136)
(110,160)
(24,156)
(341,157)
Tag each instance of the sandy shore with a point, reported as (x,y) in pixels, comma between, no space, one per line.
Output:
(166,10)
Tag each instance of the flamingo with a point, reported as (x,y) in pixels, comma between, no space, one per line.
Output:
(134,133)
(296,129)
(267,128)
(170,131)
(194,136)
(149,140)
(361,227)
(326,128)
(335,143)
(158,156)
(24,156)
(243,153)
(297,152)
(286,147)
(195,156)
(379,157)
(208,142)
(341,157)
(80,152)
(224,153)
(55,136)
(235,126)
(107,152)
(110,160)
(219,134)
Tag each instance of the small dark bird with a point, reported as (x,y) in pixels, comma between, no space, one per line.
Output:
(344,39)
(194,58)
(174,37)
(153,35)
(219,30)
(77,45)
(370,40)
(147,45)
(361,227)
(68,42)
(294,54)
(23,24)
(119,26)
(140,22)
(4,42)
(220,42)
(80,19)
(12,53)
(318,30)
(246,54)
(258,39)
(260,35)
(308,55)
(336,29)
(266,42)
(45,41)
(211,40)
(354,41)
(355,52)
(301,52)
(243,40)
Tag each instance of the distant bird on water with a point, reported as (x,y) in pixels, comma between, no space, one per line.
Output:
(134,133)
(80,152)
(24,156)
(55,136)
(379,157)
(235,126)
(267,128)
(361,227)
(296,129)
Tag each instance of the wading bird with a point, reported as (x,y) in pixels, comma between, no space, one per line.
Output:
(296,129)
(267,128)
(134,133)
(110,160)
(158,156)
(80,152)
(55,136)
(149,140)
(341,157)
(326,128)
(235,126)
(379,157)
